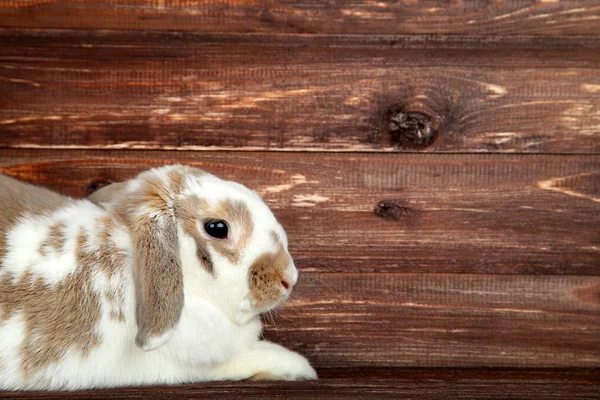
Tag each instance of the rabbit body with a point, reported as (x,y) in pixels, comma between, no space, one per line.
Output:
(128,289)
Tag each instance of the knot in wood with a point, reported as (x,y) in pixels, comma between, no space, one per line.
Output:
(95,184)
(411,129)
(392,209)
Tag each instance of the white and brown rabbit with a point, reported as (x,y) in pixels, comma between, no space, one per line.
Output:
(159,279)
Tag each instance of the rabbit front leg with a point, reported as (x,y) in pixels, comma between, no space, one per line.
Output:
(265,361)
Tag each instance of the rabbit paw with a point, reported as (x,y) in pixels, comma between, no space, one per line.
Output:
(282,364)
(267,361)
(265,376)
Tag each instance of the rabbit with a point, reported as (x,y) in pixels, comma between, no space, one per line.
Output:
(160,279)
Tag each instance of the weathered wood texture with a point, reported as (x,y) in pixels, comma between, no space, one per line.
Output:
(574,17)
(379,383)
(69,89)
(440,320)
(495,214)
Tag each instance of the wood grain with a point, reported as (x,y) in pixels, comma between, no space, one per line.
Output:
(380,383)
(499,214)
(442,320)
(146,90)
(480,17)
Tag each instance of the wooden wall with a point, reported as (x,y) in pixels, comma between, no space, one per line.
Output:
(435,163)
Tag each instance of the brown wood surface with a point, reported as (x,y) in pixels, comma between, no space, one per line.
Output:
(545,18)
(493,214)
(378,383)
(143,90)
(442,320)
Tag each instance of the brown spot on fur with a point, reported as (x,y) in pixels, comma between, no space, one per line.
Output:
(275,237)
(237,215)
(19,198)
(116,300)
(189,227)
(106,257)
(154,194)
(158,193)
(193,209)
(176,178)
(117,316)
(187,211)
(58,318)
(55,240)
(265,276)
(110,258)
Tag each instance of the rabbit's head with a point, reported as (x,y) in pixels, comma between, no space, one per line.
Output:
(198,237)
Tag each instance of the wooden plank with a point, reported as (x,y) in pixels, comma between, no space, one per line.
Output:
(459,213)
(442,320)
(544,18)
(82,89)
(373,383)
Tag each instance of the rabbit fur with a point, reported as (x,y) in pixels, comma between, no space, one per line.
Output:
(128,288)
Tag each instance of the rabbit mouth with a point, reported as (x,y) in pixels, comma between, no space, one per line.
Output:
(262,306)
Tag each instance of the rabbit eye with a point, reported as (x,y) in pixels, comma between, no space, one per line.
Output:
(217,229)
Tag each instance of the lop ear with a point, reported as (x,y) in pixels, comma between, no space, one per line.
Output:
(158,279)
(146,207)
